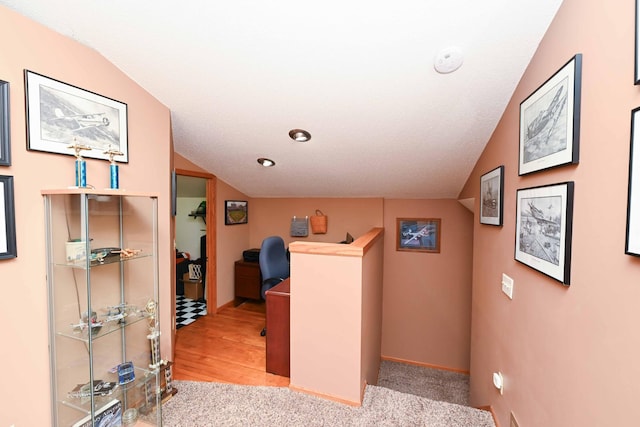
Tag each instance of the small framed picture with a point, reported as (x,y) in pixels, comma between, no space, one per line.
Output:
(235,212)
(491,196)
(418,234)
(60,115)
(5,146)
(7,219)
(544,218)
(550,121)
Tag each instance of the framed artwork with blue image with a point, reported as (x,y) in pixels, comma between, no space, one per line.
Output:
(418,234)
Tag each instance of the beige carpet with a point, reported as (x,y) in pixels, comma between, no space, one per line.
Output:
(200,404)
(435,384)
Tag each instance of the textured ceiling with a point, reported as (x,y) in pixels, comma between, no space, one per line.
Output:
(358,75)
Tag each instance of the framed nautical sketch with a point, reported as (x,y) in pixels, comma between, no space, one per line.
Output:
(550,121)
(491,196)
(60,115)
(418,234)
(544,218)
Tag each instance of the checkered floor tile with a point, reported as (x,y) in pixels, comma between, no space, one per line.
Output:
(188,310)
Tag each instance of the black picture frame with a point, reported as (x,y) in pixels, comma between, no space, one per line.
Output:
(7,219)
(5,143)
(236,212)
(60,115)
(550,121)
(418,234)
(632,239)
(636,75)
(492,196)
(544,223)
(174,193)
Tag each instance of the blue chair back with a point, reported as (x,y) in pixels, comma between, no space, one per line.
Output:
(274,264)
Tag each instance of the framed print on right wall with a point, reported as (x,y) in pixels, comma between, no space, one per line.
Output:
(632,241)
(636,76)
(550,121)
(491,196)
(544,222)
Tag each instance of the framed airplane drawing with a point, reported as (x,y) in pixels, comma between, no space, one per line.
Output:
(60,115)
(550,121)
(544,218)
(418,234)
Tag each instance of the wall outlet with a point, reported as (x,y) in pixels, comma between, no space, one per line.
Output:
(507,285)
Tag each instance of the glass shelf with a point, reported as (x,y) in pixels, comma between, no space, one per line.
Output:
(83,404)
(105,329)
(82,265)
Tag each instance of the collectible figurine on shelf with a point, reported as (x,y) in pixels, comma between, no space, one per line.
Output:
(113,167)
(81,164)
(127,253)
(154,336)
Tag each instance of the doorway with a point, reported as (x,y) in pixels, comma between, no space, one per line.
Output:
(195,227)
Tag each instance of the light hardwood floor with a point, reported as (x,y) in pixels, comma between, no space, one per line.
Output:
(225,347)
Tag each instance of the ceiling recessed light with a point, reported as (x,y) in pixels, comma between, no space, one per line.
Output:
(299,135)
(267,163)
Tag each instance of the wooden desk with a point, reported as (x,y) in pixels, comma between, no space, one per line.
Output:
(278,342)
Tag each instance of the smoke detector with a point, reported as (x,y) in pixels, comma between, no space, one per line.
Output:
(448,60)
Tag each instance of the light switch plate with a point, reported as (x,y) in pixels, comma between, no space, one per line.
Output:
(507,285)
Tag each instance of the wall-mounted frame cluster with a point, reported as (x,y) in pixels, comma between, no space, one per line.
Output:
(549,137)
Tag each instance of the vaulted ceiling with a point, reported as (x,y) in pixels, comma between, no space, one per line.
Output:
(358,75)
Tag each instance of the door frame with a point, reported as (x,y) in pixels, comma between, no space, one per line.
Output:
(212,284)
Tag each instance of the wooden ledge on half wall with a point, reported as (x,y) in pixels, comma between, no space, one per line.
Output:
(357,248)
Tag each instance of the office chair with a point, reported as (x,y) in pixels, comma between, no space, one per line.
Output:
(274,265)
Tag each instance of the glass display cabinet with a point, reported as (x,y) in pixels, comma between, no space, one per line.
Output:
(102,277)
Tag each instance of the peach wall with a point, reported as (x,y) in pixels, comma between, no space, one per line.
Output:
(569,355)
(231,241)
(325,325)
(336,316)
(23,307)
(273,217)
(181,162)
(372,287)
(427,296)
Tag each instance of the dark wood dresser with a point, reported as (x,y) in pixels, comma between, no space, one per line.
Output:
(248,281)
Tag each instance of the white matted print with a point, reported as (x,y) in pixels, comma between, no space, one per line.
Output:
(544,218)
(60,115)
(632,244)
(550,121)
